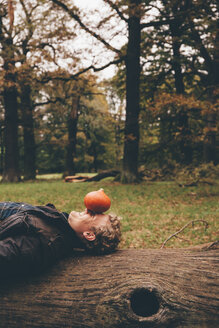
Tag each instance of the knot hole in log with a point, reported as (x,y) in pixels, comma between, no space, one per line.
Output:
(144,302)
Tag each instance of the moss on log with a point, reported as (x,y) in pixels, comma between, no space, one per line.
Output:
(130,288)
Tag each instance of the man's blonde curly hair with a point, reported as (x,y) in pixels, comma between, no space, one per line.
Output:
(107,237)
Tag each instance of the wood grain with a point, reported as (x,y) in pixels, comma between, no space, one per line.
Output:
(130,288)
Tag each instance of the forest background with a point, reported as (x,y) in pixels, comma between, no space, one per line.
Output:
(155,118)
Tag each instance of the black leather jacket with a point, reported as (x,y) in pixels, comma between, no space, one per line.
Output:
(32,240)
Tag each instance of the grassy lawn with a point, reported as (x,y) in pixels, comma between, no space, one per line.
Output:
(151,211)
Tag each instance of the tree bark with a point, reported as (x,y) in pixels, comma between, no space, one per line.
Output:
(129,288)
(176,61)
(176,34)
(72,136)
(28,132)
(11,166)
(97,177)
(131,137)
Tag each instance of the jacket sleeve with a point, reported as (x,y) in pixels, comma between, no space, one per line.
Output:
(21,255)
(13,225)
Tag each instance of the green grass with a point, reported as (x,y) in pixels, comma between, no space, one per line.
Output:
(151,211)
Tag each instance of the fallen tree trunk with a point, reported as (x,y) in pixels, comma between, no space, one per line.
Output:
(97,177)
(103,175)
(130,288)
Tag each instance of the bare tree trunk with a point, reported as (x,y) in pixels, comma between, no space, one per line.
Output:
(176,33)
(176,61)
(209,149)
(11,166)
(130,288)
(131,142)
(28,131)
(72,136)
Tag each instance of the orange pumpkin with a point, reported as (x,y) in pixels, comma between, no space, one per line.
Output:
(97,201)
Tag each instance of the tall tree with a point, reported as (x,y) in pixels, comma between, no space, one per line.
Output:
(72,122)
(132,62)
(130,12)
(203,20)
(29,169)
(193,38)
(11,167)
(31,47)
(43,43)
(176,10)
(25,83)
(63,103)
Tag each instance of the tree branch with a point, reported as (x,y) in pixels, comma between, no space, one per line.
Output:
(30,27)
(183,228)
(97,69)
(203,51)
(50,101)
(157,23)
(84,27)
(114,6)
(11,13)
(3,13)
(46,44)
(74,76)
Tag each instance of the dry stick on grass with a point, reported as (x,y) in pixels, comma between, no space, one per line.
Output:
(183,228)
(184,239)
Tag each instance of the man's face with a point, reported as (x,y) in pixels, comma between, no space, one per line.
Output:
(82,222)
